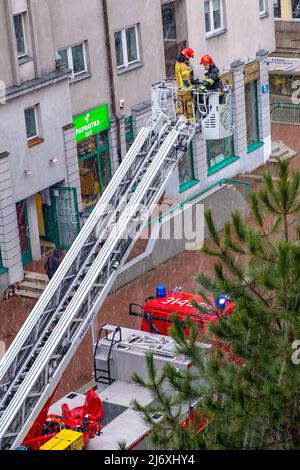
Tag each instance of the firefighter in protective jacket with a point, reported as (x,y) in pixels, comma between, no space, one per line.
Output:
(184,79)
(212,80)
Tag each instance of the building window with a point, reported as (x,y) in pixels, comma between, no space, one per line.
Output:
(252,113)
(31,122)
(75,58)
(94,168)
(277,8)
(296,9)
(213,10)
(20,35)
(219,151)
(262,7)
(169,21)
(129,134)
(127,47)
(186,170)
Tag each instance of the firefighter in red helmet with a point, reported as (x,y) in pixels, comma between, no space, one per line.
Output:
(212,80)
(184,79)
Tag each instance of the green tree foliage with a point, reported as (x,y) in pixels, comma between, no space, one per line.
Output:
(257,405)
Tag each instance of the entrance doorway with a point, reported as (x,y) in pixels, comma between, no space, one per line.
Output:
(24,232)
(58,217)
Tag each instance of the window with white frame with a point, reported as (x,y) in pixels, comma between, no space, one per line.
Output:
(19,24)
(75,58)
(262,7)
(213,10)
(31,121)
(127,47)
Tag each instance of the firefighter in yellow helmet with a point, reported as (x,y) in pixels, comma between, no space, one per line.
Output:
(184,79)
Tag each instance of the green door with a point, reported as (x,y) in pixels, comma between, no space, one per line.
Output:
(65,207)
(24,232)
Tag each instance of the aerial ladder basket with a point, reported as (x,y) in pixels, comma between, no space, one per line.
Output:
(211,111)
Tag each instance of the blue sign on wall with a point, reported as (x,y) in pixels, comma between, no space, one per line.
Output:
(265,88)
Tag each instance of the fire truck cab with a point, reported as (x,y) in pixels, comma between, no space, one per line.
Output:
(156,312)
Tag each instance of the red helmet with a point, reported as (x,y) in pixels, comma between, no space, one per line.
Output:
(188,53)
(207,59)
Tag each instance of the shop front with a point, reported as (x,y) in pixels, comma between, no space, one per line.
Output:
(91,132)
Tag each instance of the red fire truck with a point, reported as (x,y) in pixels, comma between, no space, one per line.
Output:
(156,313)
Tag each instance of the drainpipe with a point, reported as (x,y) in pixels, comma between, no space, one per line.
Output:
(111,79)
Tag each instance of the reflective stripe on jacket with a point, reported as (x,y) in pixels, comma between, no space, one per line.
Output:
(213,78)
(183,75)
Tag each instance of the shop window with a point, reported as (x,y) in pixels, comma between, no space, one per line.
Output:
(94,168)
(296,9)
(31,122)
(19,24)
(213,10)
(252,114)
(129,135)
(169,21)
(127,47)
(75,58)
(277,8)
(186,170)
(219,152)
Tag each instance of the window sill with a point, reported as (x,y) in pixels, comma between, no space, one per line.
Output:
(36,141)
(215,34)
(222,165)
(254,146)
(187,185)
(78,78)
(264,15)
(130,68)
(24,59)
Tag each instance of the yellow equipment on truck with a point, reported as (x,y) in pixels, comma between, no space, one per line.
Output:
(65,440)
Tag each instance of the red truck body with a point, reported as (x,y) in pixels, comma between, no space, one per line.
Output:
(162,308)
(156,313)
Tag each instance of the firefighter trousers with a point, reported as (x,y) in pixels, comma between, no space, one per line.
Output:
(185,104)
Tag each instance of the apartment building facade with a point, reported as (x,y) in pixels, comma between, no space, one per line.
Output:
(239,35)
(285,61)
(78,77)
(64,124)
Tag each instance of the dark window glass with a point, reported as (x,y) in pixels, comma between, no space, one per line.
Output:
(252,113)
(31,128)
(131,45)
(78,59)
(277,8)
(296,8)
(219,150)
(217,14)
(185,167)
(64,56)
(20,38)
(169,21)
(119,49)
(207,17)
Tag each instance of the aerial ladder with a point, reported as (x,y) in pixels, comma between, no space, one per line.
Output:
(36,360)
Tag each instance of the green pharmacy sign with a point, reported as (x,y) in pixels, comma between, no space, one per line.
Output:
(91,123)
